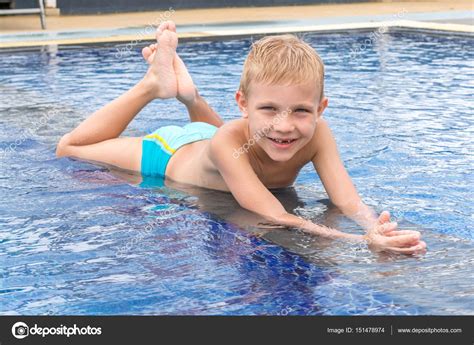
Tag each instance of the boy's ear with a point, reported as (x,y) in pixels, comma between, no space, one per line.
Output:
(322,106)
(242,103)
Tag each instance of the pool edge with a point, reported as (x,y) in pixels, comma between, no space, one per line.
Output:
(443,28)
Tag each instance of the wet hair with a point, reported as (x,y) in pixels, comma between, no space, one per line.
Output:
(282,59)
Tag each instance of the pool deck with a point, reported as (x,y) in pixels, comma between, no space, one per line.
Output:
(443,16)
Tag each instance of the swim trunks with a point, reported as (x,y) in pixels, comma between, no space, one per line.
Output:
(159,146)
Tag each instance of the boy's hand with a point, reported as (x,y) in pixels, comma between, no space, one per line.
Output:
(384,237)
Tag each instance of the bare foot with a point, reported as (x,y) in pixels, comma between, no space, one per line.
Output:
(161,73)
(186,90)
(149,52)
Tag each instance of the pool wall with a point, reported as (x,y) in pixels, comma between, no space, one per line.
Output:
(105,6)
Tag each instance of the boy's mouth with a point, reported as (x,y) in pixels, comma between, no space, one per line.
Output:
(282,142)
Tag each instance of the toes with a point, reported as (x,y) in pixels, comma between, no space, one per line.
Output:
(163,26)
(168,39)
(146,52)
(171,26)
(167,25)
(158,33)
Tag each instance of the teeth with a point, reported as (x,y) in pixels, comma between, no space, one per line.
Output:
(281,141)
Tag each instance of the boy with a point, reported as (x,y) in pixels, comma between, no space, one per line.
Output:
(281,98)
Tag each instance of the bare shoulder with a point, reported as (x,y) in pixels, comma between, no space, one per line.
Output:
(322,125)
(232,132)
(226,144)
(322,137)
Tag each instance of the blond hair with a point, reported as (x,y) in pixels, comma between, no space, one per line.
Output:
(282,59)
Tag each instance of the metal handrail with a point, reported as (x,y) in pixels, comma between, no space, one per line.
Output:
(39,10)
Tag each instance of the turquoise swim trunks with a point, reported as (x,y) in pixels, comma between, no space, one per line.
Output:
(159,146)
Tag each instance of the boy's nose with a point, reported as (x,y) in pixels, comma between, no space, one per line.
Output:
(283,125)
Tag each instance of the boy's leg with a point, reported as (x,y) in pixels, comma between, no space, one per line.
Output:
(125,153)
(197,107)
(96,138)
(200,111)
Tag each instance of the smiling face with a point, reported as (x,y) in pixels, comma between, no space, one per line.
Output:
(281,118)
(281,93)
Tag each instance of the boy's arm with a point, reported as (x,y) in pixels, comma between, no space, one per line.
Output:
(252,195)
(344,195)
(337,181)
(250,192)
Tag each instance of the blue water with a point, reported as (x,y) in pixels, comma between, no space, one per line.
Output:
(80,239)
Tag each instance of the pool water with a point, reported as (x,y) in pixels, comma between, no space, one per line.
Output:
(80,239)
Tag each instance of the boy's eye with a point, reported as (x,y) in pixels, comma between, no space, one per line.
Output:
(268,108)
(302,110)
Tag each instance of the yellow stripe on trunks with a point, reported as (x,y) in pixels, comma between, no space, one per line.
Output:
(161,140)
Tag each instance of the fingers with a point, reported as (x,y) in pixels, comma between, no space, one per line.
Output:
(402,240)
(384,217)
(401,232)
(418,248)
(388,227)
(422,245)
